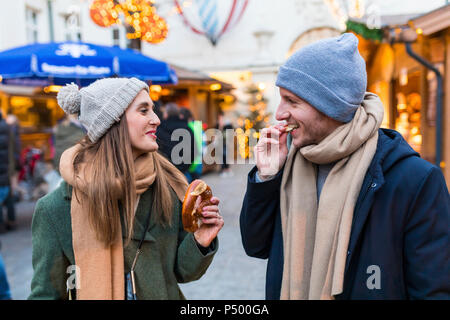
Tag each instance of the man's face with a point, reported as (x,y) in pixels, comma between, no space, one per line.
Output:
(313,126)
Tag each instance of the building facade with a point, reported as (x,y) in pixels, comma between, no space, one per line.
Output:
(249,53)
(253,50)
(409,70)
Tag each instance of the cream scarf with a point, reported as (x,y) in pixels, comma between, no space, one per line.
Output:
(316,235)
(100,269)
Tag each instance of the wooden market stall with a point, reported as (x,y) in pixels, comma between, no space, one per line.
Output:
(407,87)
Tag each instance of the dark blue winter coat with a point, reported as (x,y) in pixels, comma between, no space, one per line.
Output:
(400,224)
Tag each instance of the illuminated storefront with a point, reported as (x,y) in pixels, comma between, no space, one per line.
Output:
(203,95)
(37,112)
(407,88)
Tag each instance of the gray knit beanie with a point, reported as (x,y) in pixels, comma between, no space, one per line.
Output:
(329,74)
(100,104)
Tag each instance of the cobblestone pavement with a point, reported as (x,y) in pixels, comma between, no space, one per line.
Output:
(16,252)
(232,275)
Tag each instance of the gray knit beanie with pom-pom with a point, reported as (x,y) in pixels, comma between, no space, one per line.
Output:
(100,104)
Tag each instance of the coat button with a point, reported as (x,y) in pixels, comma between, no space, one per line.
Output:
(348,253)
(373,185)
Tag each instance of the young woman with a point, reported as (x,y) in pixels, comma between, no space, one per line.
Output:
(113,229)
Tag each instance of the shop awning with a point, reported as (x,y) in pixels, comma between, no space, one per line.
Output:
(192,77)
(433,21)
(65,62)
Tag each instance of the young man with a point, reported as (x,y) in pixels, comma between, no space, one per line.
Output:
(350,211)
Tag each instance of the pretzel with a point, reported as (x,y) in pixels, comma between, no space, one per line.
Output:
(290,127)
(192,207)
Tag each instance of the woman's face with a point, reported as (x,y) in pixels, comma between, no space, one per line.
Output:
(142,123)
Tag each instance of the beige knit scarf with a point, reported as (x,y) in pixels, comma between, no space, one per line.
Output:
(316,235)
(100,268)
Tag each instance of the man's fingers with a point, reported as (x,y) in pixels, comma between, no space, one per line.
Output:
(270,132)
(266,145)
(263,133)
(280,127)
(283,138)
(266,141)
(273,132)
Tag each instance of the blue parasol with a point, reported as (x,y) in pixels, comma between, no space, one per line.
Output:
(65,62)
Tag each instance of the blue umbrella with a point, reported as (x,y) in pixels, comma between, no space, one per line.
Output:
(65,62)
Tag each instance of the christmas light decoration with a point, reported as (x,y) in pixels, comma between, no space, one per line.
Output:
(139,14)
(104,13)
(251,123)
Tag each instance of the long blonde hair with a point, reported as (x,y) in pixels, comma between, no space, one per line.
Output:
(112,183)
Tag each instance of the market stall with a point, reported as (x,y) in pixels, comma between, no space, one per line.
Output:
(31,76)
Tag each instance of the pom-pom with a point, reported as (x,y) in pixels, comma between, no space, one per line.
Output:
(69,98)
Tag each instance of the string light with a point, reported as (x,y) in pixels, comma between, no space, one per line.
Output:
(337,11)
(215,87)
(104,13)
(140,14)
(156,88)
(357,8)
(52,88)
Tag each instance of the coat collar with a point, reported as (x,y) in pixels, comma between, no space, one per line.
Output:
(66,190)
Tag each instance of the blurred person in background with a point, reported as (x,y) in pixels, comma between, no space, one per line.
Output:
(171,122)
(158,109)
(195,169)
(162,132)
(67,133)
(5,293)
(14,169)
(4,169)
(223,124)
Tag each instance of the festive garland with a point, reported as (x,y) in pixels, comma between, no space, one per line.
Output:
(364,31)
(139,14)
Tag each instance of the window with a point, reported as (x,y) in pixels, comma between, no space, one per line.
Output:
(72,26)
(133,43)
(32,25)
(116,36)
(119,36)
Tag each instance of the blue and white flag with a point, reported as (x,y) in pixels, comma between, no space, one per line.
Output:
(211,18)
(207,11)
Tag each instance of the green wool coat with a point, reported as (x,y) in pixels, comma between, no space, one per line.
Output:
(169,254)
